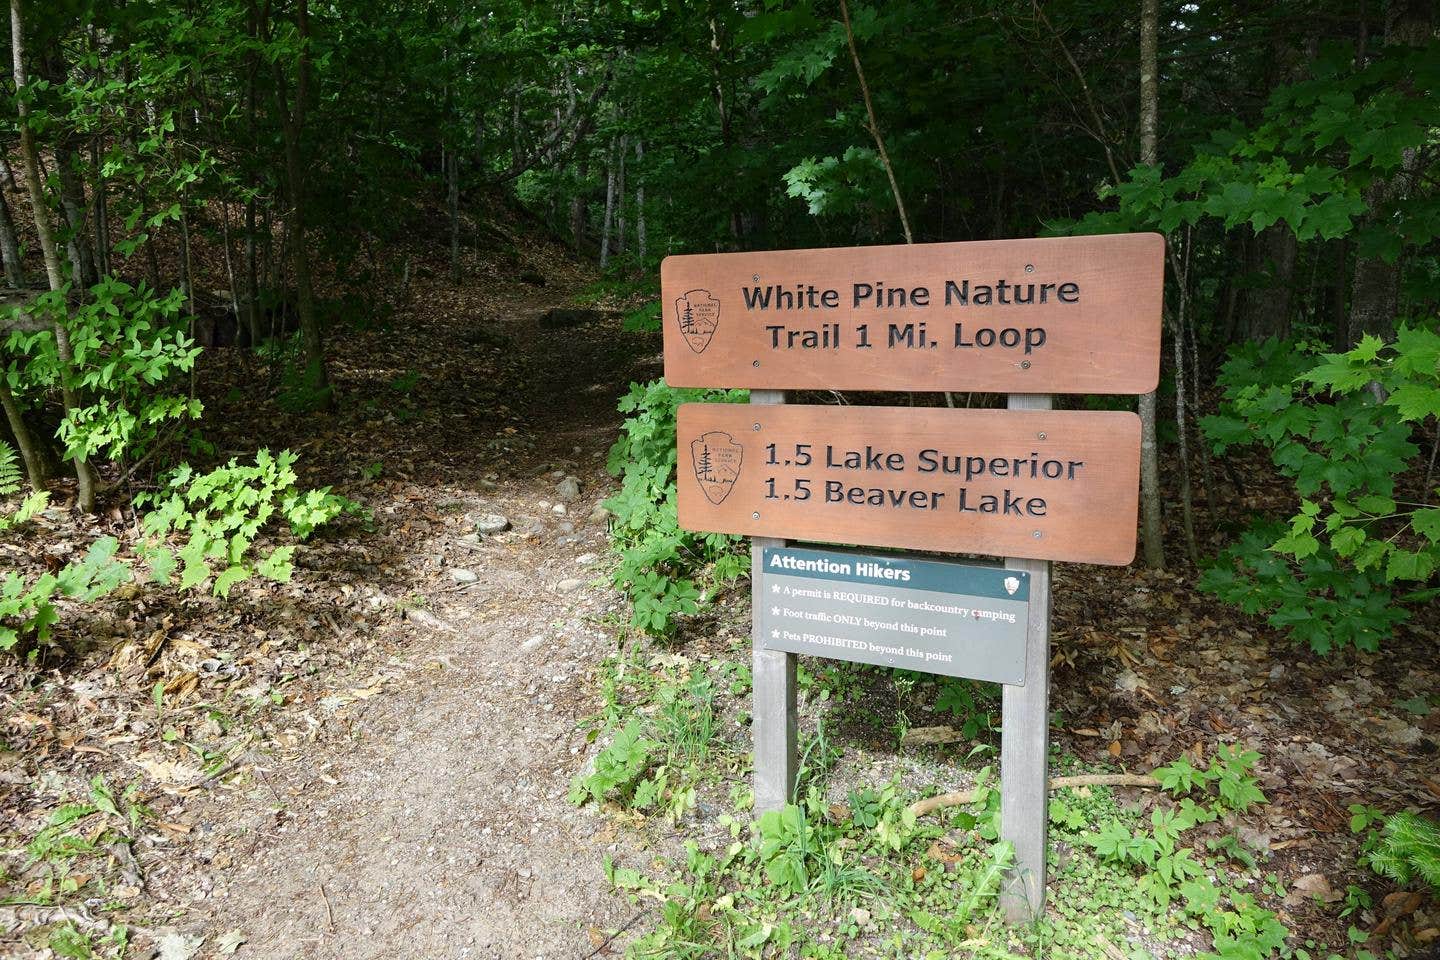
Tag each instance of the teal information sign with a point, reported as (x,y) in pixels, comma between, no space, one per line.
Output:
(960,620)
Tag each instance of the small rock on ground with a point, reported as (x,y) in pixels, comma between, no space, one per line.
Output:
(491,523)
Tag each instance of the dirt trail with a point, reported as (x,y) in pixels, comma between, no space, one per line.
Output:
(430,819)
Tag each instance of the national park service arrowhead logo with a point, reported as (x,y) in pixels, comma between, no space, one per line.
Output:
(1011,585)
(716,458)
(698,314)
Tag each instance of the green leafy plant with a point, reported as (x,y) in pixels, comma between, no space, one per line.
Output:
(223,512)
(129,351)
(1408,850)
(967,701)
(659,562)
(10,476)
(10,484)
(28,611)
(787,847)
(1339,426)
(618,768)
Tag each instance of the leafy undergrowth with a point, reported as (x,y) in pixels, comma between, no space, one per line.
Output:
(850,870)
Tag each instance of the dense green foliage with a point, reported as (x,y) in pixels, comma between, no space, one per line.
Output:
(658,559)
(1340,427)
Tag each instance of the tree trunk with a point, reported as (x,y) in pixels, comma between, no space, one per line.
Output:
(24,440)
(10,246)
(187,279)
(241,331)
(102,213)
(252,274)
(1375,288)
(620,197)
(1335,305)
(85,478)
(578,210)
(1151,530)
(292,124)
(72,203)
(874,124)
(609,208)
(640,200)
(1187,504)
(1270,269)
(722,108)
(452,180)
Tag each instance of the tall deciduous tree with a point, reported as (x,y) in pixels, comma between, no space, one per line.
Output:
(1151,528)
(30,155)
(292,112)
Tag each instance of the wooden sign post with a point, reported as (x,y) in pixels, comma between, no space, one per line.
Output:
(1027,484)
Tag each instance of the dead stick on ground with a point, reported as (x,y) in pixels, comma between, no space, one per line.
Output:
(960,797)
(329,913)
(611,939)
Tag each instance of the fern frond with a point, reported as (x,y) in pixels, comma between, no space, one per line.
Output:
(28,508)
(1413,843)
(10,476)
(1409,849)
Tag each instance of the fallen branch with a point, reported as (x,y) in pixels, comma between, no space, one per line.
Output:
(610,939)
(961,797)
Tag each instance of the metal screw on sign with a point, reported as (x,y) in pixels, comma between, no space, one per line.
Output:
(1024,364)
(755,515)
(1037,534)
(1029,268)
(1041,434)
(755,364)
(755,278)
(756,426)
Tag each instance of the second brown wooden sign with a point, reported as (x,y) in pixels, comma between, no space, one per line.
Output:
(1057,315)
(1052,485)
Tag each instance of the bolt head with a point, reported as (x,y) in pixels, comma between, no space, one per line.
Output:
(1037,534)
(755,515)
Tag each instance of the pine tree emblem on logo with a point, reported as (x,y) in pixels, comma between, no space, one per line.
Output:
(716,457)
(698,314)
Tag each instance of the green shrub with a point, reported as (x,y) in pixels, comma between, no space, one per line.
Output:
(130,351)
(223,512)
(28,611)
(659,562)
(619,767)
(1339,427)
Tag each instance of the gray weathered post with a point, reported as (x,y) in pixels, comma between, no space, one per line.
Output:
(772,717)
(1025,739)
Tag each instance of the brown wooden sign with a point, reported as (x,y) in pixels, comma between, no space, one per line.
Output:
(1050,485)
(1058,315)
